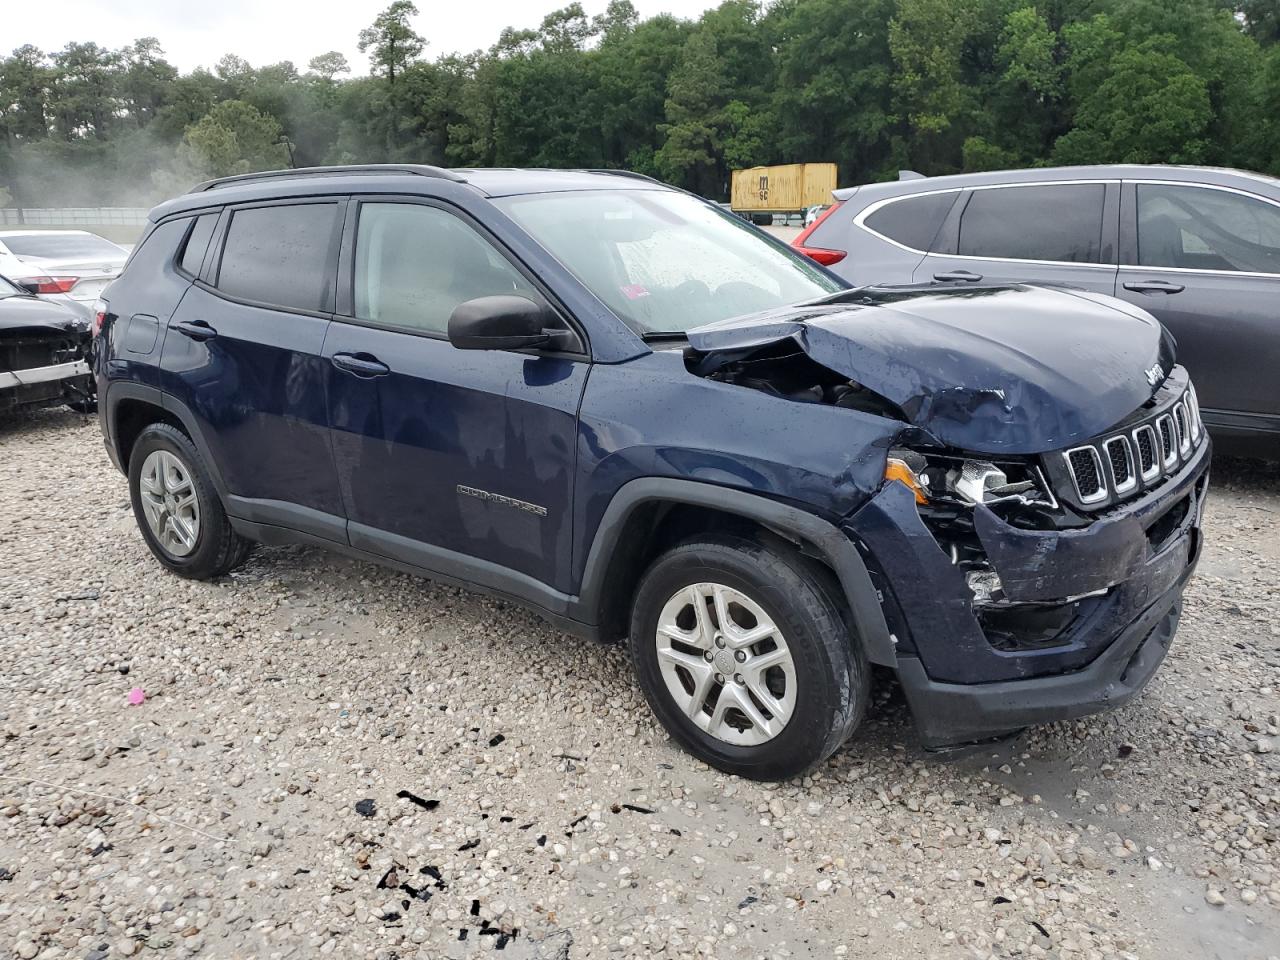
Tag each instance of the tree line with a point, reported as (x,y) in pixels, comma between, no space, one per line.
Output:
(937,86)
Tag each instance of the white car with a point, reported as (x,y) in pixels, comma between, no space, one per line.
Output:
(71,267)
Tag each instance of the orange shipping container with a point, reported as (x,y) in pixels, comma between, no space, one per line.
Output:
(782,189)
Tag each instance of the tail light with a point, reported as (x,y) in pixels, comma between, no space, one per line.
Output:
(822,255)
(99,316)
(49,284)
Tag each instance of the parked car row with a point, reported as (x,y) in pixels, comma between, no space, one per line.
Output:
(606,399)
(1198,248)
(50,281)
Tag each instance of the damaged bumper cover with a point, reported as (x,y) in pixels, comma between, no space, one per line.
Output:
(1118,581)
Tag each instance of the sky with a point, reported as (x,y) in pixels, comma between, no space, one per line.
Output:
(267,31)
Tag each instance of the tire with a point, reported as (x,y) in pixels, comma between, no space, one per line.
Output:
(829,671)
(215,548)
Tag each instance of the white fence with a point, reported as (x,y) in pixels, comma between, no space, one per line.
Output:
(74,216)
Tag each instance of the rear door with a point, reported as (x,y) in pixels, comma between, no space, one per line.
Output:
(1060,232)
(243,353)
(1206,261)
(460,461)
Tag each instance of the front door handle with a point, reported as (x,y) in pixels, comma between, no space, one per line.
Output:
(195,329)
(1154,286)
(962,275)
(363,365)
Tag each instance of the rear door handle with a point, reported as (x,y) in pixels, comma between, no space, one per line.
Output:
(195,329)
(964,275)
(1154,286)
(366,366)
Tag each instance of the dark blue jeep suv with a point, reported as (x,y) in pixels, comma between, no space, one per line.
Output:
(608,400)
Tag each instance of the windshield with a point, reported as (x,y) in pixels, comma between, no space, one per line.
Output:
(666,262)
(63,246)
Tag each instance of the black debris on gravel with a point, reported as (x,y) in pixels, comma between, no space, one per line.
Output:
(496,739)
(469,845)
(366,807)
(417,800)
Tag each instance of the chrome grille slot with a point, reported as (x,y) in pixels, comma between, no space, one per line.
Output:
(1123,477)
(1112,467)
(1086,470)
(1168,442)
(1184,427)
(1145,440)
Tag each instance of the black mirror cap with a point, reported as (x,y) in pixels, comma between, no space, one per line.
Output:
(500,323)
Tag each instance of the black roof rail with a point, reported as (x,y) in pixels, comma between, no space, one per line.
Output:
(363,169)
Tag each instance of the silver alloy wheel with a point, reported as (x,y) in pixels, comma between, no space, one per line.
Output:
(169,502)
(726,664)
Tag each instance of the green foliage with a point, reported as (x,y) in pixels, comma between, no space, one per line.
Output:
(232,138)
(873,85)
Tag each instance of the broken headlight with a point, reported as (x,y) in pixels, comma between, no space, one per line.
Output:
(961,481)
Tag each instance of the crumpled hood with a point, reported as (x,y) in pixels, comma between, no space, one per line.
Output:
(23,315)
(992,369)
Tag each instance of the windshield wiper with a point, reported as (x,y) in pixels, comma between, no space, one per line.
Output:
(663,336)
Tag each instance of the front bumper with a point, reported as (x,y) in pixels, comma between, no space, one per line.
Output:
(35,385)
(961,686)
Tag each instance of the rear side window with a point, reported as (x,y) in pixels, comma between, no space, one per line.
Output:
(1061,223)
(1196,228)
(912,222)
(197,243)
(280,255)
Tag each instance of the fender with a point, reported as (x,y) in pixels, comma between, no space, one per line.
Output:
(118,391)
(830,543)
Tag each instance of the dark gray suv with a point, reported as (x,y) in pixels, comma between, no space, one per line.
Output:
(1198,247)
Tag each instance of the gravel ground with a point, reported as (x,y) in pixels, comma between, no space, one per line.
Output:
(337,759)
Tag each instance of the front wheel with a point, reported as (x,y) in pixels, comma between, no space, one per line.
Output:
(744,654)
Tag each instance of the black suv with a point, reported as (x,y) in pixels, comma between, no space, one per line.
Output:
(607,399)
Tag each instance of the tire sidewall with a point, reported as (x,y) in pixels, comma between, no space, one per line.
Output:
(828,682)
(202,559)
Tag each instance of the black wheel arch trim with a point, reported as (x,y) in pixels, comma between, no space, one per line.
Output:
(832,545)
(120,391)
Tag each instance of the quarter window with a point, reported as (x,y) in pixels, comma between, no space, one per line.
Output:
(280,255)
(415,264)
(912,222)
(197,243)
(1060,223)
(1198,228)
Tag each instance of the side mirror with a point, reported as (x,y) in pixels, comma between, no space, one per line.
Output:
(502,323)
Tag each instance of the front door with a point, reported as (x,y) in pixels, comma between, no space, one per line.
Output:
(460,461)
(1032,233)
(1206,261)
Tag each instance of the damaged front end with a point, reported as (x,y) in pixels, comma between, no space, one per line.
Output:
(1038,519)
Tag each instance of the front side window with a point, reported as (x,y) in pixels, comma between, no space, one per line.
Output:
(914,221)
(279,255)
(666,262)
(415,264)
(1060,223)
(1197,228)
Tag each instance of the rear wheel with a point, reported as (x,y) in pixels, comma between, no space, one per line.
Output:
(177,508)
(744,653)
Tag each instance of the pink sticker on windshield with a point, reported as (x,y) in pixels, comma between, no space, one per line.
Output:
(634,291)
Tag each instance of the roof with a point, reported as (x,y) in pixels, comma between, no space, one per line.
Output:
(1115,171)
(399,178)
